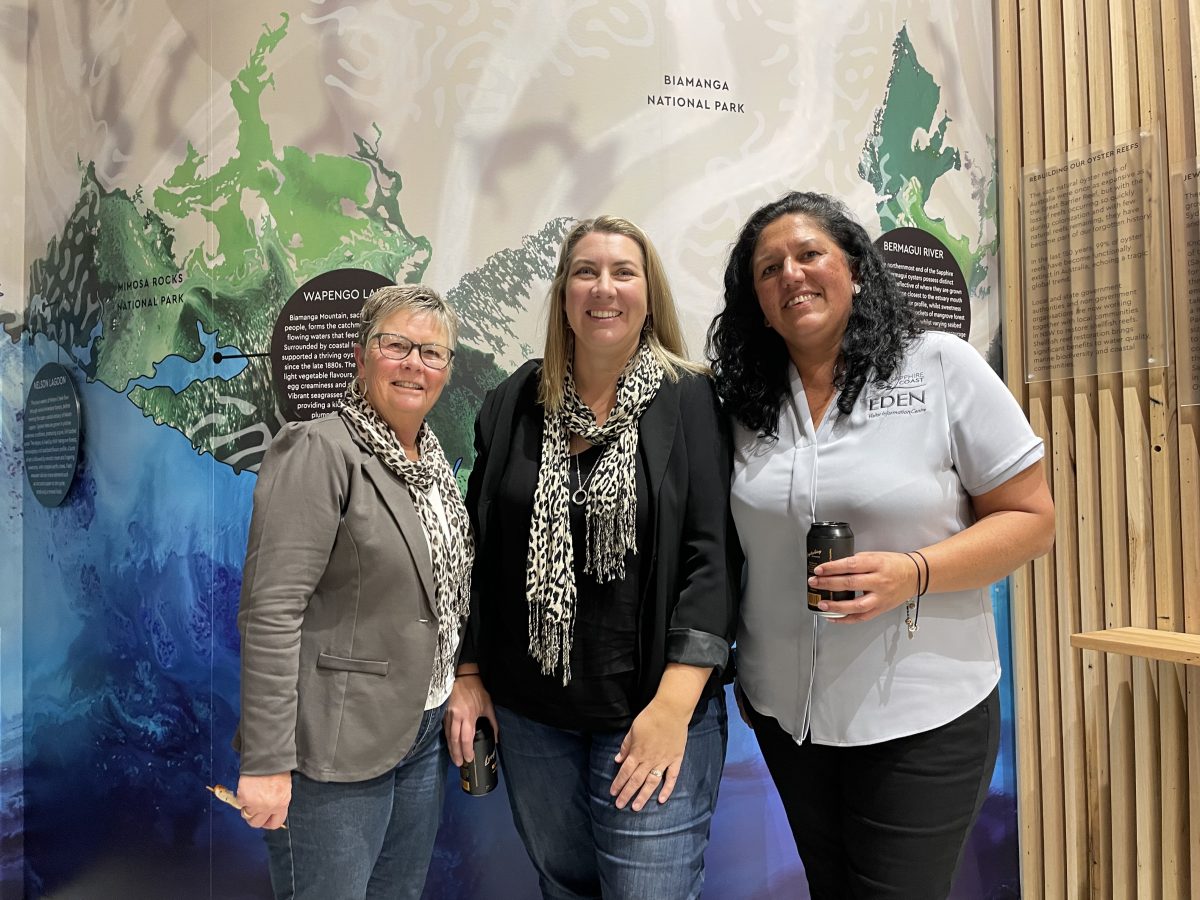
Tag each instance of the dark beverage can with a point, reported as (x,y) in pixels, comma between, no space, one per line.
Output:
(479,777)
(828,541)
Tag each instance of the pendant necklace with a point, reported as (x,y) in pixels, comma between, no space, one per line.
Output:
(579,495)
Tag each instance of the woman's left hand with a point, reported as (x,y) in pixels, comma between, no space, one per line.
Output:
(469,701)
(651,755)
(886,580)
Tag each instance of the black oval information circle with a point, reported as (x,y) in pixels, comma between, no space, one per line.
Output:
(929,276)
(51,434)
(312,346)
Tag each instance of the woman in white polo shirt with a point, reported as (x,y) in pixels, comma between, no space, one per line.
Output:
(880,728)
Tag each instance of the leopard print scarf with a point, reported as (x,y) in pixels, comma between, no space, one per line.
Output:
(611,508)
(451,559)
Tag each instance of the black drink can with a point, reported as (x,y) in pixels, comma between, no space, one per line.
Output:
(478,777)
(828,541)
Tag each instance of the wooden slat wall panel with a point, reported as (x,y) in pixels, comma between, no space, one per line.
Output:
(1138,511)
(1025,678)
(1106,678)
(1092,720)
(1051,808)
(1059,57)
(1108,747)
(1157,67)
(1115,511)
(1188,32)
(1122,844)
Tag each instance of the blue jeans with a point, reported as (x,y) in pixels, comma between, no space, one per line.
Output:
(579,842)
(364,839)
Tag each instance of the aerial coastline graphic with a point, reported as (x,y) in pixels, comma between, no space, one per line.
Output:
(131,672)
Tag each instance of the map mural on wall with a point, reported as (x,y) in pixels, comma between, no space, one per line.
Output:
(169,221)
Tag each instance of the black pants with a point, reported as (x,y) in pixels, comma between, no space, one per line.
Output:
(889,819)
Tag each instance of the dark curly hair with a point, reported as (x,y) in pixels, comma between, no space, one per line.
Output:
(750,360)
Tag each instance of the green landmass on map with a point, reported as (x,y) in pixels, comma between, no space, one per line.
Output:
(903,169)
(114,290)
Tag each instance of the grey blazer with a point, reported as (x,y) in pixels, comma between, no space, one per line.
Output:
(337,625)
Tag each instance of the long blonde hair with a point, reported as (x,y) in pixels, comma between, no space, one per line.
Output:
(663,334)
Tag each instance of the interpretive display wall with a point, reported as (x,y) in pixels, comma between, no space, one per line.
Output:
(208,185)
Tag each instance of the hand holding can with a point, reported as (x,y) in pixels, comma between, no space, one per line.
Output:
(479,776)
(828,541)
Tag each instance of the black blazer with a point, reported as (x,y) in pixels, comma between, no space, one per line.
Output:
(690,611)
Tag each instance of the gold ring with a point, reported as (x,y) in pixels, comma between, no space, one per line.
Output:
(656,773)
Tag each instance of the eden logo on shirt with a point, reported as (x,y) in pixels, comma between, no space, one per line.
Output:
(896,400)
(903,397)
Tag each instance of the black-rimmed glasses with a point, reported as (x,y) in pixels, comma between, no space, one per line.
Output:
(397,346)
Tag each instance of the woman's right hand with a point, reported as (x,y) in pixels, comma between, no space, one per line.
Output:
(885,580)
(469,700)
(265,799)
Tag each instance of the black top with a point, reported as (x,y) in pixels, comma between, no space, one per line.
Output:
(689,560)
(600,693)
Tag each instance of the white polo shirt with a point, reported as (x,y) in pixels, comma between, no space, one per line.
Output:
(900,470)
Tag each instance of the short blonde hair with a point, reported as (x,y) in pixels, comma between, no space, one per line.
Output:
(663,334)
(412,298)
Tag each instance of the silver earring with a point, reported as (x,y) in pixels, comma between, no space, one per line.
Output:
(857,289)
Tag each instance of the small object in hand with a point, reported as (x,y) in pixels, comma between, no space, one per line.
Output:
(479,776)
(657,773)
(828,541)
(225,795)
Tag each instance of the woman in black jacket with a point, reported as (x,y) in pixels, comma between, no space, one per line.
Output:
(604,602)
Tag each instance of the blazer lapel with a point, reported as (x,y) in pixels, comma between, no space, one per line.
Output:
(399,503)
(657,432)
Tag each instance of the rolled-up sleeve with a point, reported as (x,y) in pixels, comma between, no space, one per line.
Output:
(703,620)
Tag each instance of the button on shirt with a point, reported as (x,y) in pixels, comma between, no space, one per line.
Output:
(900,469)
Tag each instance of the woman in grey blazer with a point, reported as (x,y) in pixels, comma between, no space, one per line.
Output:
(355,590)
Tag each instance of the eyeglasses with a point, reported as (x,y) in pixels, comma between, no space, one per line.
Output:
(397,346)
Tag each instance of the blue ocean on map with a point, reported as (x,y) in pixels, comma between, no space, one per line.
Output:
(131,672)
(131,688)
(11,497)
